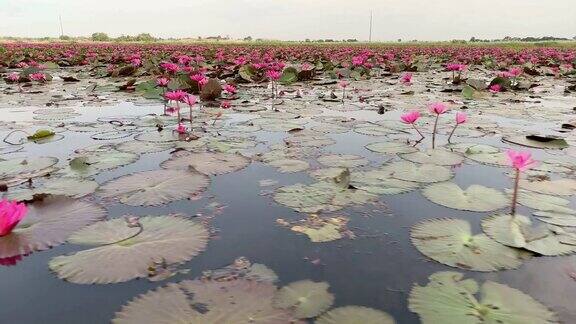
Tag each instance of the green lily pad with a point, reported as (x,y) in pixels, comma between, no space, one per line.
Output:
(70,187)
(391,147)
(544,202)
(539,142)
(320,196)
(560,187)
(289,165)
(343,160)
(206,163)
(196,301)
(434,156)
(518,231)
(48,223)
(154,188)
(554,218)
(304,298)
(355,315)
(380,182)
(123,252)
(136,147)
(18,170)
(448,299)
(425,173)
(474,198)
(91,162)
(451,242)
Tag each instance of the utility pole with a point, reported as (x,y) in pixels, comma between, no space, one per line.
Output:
(61,28)
(370,33)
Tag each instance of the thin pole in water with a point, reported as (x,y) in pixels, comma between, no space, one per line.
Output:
(61,27)
(370,33)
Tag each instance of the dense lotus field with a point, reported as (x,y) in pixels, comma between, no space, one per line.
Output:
(171,183)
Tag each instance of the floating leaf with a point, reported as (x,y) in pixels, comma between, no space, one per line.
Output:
(153,188)
(381,182)
(206,163)
(41,134)
(305,298)
(289,165)
(343,160)
(544,202)
(18,170)
(560,187)
(539,142)
(518,231)
(70,187)
(194,301)
(554,218)
(474,198)
(451,242)
(448,299)
(391,147)
(48,223)
(355,315)
(434,156)
(425,173)
(289,76)
(320,196)
(92,162)
(143,147)
(124,253)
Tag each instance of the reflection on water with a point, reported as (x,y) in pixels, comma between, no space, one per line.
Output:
(377,269)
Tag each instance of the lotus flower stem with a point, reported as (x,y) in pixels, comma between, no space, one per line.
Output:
(416,129)
(434,132)
(452,133)
(515,193)
(343,93)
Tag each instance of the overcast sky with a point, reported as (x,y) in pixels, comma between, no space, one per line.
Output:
(292,19)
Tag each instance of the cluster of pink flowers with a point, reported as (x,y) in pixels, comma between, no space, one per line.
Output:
(457,67)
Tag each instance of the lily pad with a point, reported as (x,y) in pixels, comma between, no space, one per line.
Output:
(48,223)
(518,231)
(289,165)
(355,315)
(305,298)
(381,182)
(449,299)
(125,252)
(206,163)
(544,202)
(18,170)
(425,173)
(195,301)
(343,160)
(70,187)
(434,156)
(451,242)
(90,163)
(560,187)
(391,147)
(320,196)
(136,147)
(554,218)
(539,142)
(154,188)
(474,198)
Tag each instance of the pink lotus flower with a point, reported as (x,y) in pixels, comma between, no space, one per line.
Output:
(197,77)
(136,61)
(461,118)
(307,66)
(438,108)
(11,213)
(172,110)
(456,67)
(177,95)
(273,75)
(39,76)
(225,104)
(162,82)
(14,76)
(515,71)
(406,78)
(181,129)
(495,88)
(358,60)
(520,161)
(505,74)
(410,117)
(230,88)
(169,67)
(344,84)
(189,99)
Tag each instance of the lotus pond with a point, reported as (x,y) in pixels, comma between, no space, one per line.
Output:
(294,190)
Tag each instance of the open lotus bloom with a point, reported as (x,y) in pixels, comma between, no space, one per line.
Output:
(11,213)
(521,161)
(410,117)
(438,108)
(181,129)
(461,118)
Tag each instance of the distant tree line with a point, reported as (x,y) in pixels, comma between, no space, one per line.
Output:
(519,39)
(103,37)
